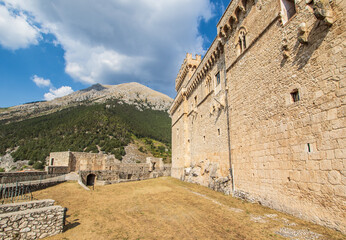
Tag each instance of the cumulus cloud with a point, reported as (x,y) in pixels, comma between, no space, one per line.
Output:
(15,30)
(119,41)
(41,82)
(55,93)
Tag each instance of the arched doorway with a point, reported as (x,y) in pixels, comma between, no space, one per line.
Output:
(91,179)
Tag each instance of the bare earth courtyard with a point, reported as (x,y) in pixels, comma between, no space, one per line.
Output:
(167,208)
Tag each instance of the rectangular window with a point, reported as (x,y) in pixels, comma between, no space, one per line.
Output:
(288,9)
(217,76)
(295,95)
(195,101)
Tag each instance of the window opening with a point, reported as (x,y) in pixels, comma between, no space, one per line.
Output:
(218,132)
(295,95)
(288,9)
(217,78)
(195,101)
(309,147)
(242,40)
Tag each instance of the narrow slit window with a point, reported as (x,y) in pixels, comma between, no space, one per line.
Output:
(217,76)
(295,95)
(309,147)
(218,132)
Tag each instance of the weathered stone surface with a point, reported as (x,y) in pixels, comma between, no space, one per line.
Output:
(14,207)
(32,223)
(269,108)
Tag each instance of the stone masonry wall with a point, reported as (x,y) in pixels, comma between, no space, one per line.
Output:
(32,224)
(59,158)
(286,153)
(14,207)
(126,172)
(291,155)
(11,177)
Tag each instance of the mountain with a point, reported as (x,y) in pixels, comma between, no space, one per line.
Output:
(132,93)
(124,120)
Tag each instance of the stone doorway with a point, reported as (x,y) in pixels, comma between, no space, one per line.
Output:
(91,179)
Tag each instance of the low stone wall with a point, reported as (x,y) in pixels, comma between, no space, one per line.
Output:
(126,172)
(32,224)
(15,207)
(57,170)
(12,177)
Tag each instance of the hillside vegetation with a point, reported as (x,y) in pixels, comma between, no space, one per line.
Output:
(107,127)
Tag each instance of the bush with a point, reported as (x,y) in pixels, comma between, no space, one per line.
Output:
(38,165)
(31,162)
(2,169)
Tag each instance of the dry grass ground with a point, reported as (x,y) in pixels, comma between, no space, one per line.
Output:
(166,208)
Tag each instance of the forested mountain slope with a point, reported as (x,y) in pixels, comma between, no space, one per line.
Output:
(90,126)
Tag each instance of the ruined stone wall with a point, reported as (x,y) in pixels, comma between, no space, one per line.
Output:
(124,172)
(290,155)
(89,161)
(57,169)
(81,161)
(12,177)
(32,223)
(14,207)
(59,158)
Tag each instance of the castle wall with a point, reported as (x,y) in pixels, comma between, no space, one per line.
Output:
(59,158)
(81,161)
(31,220)
(286,152)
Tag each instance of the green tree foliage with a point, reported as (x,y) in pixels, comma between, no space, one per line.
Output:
(83,128)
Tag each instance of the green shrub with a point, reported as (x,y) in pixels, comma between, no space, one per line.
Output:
(38,165)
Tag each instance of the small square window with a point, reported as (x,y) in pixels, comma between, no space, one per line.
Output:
(217,76)
(295,95)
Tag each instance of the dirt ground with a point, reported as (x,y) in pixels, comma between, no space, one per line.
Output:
(166,208)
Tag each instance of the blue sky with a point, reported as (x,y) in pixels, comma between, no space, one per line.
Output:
(52,48)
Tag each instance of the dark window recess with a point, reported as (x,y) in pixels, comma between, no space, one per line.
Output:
(288,9)
(218,132)
(217,78)
(309,147)
(295,95)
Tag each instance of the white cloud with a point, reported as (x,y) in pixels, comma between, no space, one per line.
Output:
(15,30)
(55,93)
(120,41)
(41,82)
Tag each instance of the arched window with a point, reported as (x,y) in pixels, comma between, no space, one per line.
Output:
(207,85)
(242,40)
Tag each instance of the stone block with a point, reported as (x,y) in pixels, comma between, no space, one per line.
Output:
(334,177)
(326,165)
(312,165)
(340,190)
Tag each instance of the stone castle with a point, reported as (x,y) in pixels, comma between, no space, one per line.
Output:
(262,115)
(100,169)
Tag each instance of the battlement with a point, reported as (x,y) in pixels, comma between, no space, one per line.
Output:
(187,69)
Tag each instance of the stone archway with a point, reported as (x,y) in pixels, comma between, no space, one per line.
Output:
(91,178)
